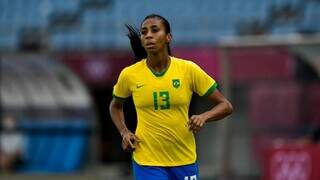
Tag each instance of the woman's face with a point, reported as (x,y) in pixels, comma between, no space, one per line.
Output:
(153,35)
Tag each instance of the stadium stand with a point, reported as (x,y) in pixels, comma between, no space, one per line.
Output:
(101,22)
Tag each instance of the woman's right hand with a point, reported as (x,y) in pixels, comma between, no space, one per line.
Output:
(129,141)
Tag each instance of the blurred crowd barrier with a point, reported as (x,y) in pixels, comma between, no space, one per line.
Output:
(289,161)
(57,145)
(53,111)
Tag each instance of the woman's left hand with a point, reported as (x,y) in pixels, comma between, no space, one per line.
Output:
(196,122)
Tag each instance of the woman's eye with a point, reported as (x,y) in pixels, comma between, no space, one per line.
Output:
(155,30)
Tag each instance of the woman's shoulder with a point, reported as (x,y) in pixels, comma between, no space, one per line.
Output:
(186,63)
(133,67)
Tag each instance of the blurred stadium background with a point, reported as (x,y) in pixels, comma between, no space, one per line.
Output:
(60,60)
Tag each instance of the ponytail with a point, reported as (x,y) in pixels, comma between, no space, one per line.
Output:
(137,48)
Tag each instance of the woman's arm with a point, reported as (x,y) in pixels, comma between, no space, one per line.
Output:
(117,116)
(221,109)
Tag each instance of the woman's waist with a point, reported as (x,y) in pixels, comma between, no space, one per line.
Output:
(164,136)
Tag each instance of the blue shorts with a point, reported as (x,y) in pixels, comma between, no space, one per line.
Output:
(187,172)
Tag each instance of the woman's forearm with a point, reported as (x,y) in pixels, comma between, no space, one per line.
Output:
(218,112)
(117,117)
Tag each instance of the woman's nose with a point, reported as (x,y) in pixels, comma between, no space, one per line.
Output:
(149,35)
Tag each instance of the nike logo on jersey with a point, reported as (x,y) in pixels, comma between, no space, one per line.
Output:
(139,86)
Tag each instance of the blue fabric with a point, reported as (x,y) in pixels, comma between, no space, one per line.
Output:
(187,172)
(55,146)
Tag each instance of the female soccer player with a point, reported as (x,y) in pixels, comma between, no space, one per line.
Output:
(161,85)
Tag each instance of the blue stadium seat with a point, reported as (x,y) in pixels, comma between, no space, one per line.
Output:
(197,18)
(311,15)
(65,6)
(9,40)
(285,29)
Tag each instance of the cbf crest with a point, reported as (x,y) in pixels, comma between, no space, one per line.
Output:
(176,83)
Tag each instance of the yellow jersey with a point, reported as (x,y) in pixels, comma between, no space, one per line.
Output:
(162,104)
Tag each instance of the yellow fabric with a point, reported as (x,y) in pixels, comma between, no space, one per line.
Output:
(162,104)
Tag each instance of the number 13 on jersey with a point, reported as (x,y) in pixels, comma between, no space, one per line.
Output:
(163,98)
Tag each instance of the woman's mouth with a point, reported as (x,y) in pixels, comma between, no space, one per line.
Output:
(150,45)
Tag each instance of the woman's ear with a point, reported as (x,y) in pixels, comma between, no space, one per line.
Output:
(169,38)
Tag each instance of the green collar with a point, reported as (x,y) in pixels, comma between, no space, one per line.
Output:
(161,73)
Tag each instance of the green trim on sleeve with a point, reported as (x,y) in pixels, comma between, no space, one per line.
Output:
(113,95)
(211,89)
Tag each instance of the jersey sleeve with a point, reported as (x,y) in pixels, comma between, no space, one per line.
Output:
(122,87)
(202,83)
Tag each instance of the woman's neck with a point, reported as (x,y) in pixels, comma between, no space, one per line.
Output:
(158,62)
